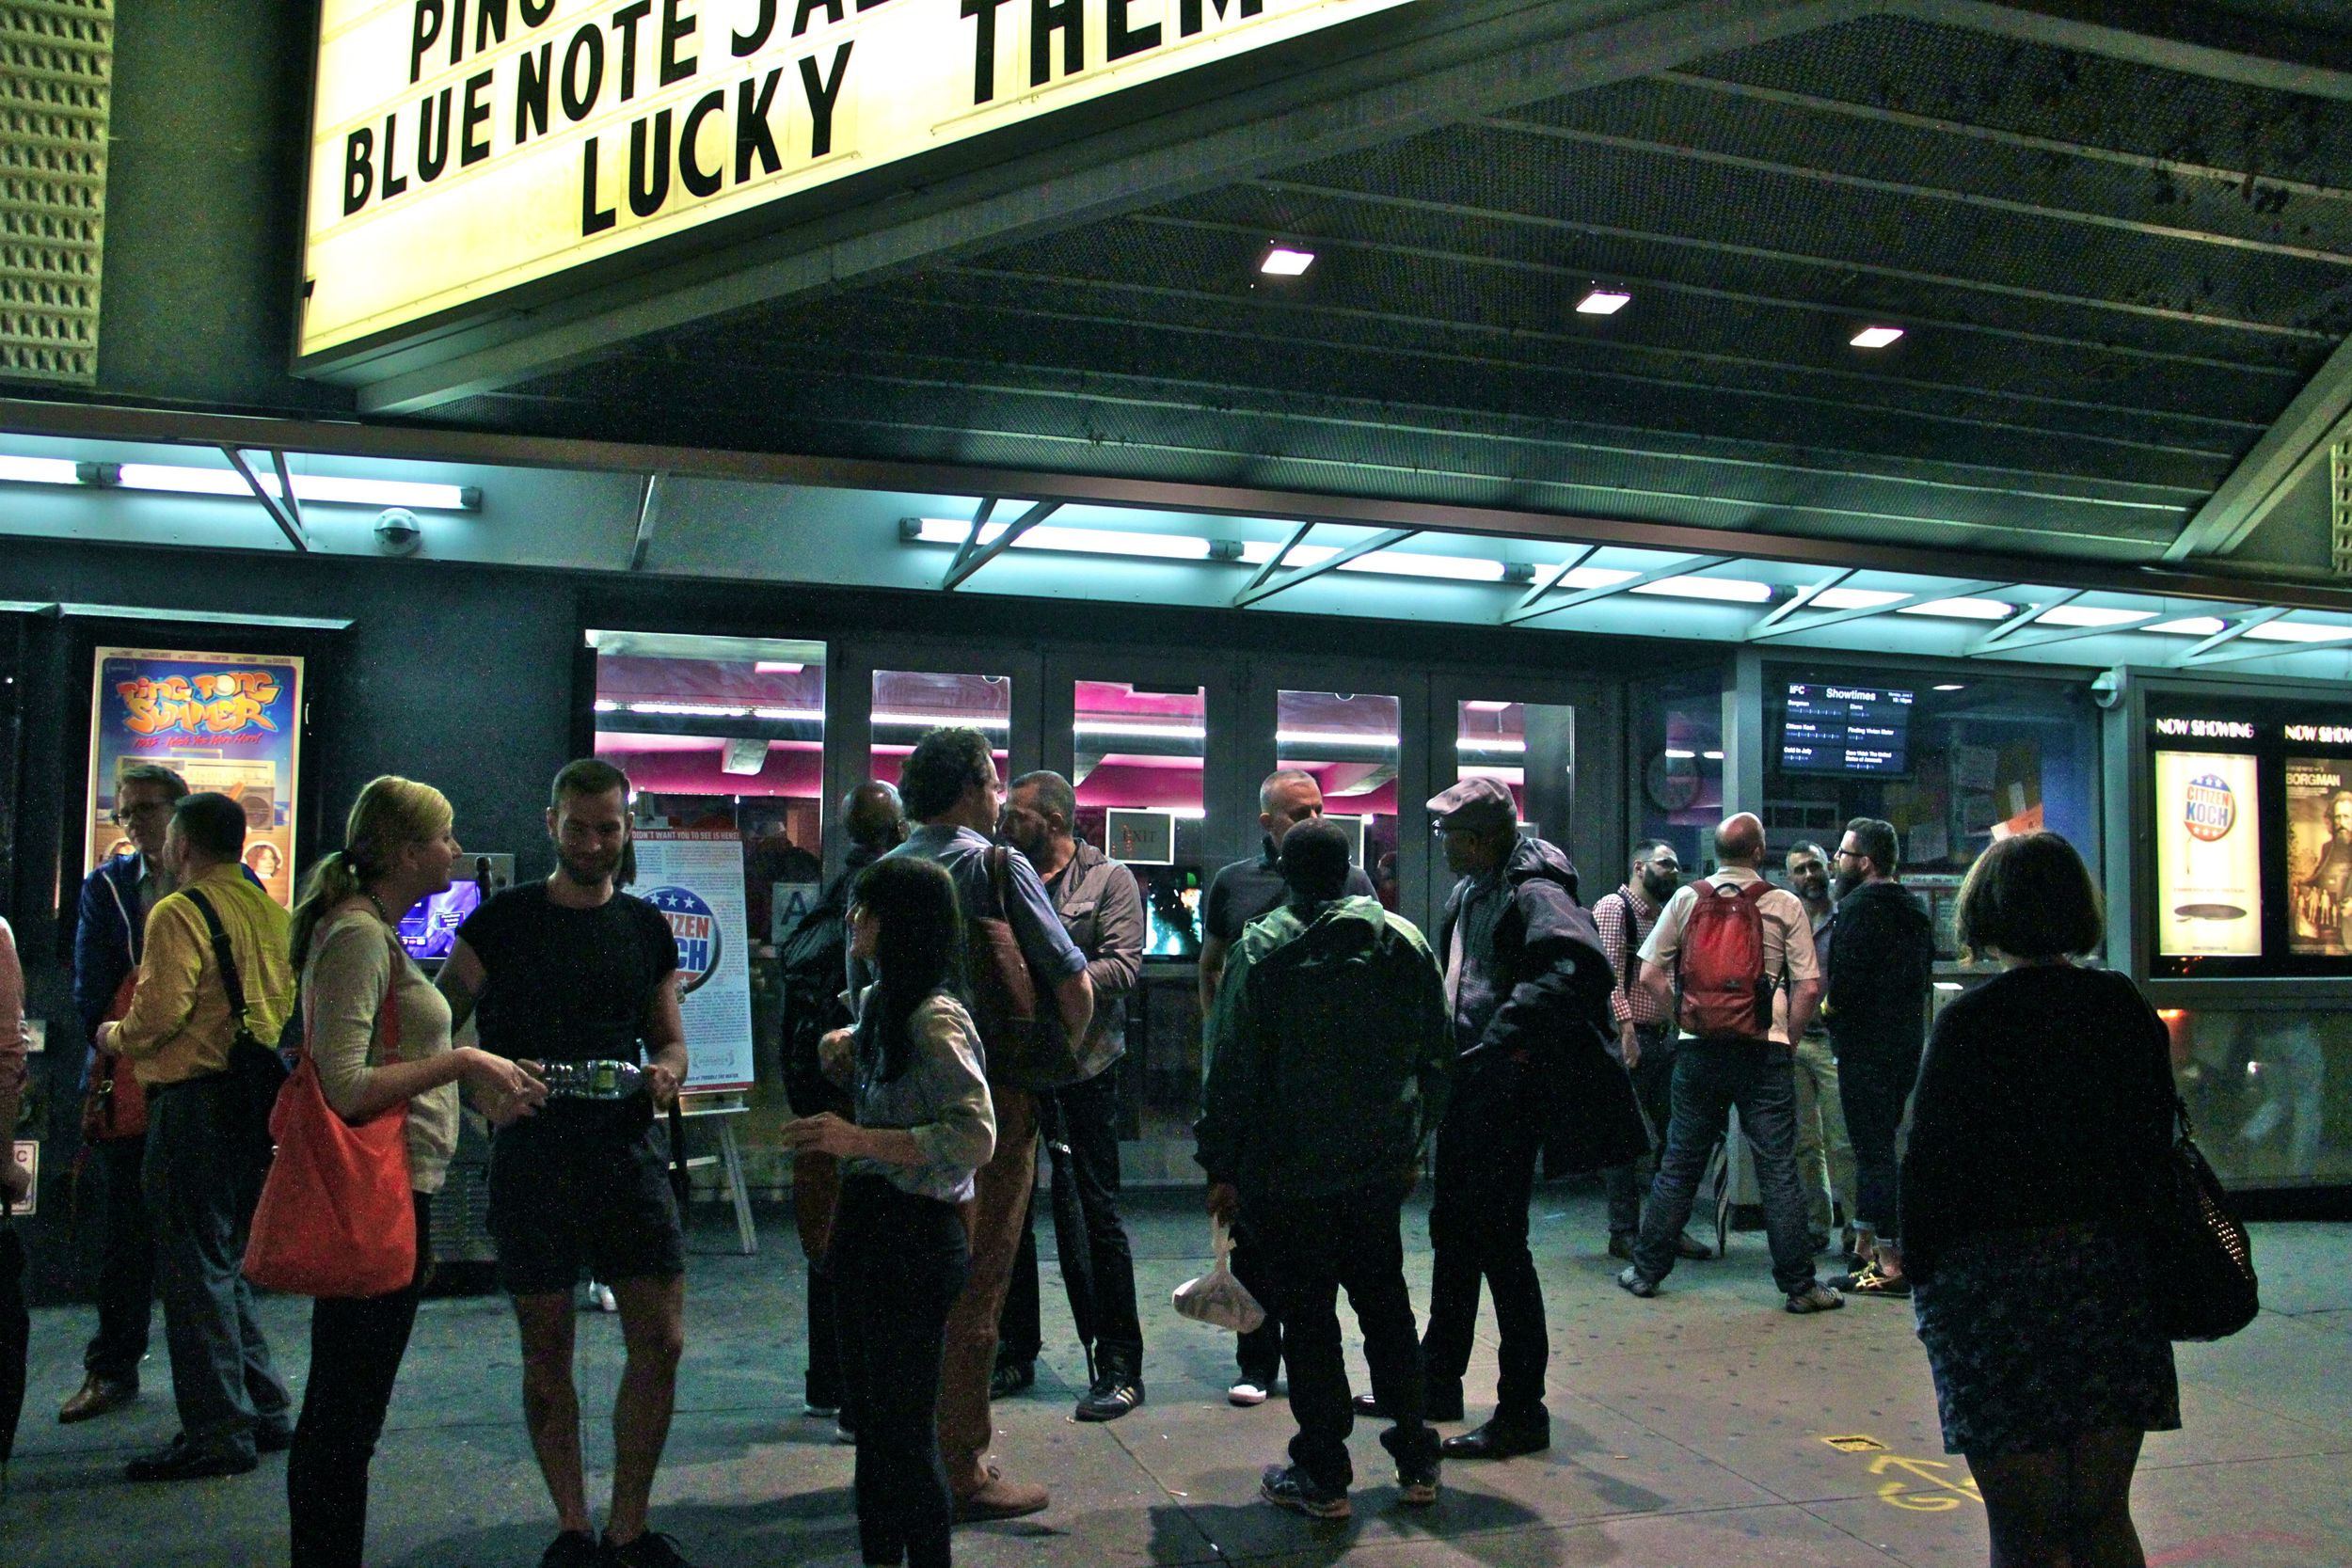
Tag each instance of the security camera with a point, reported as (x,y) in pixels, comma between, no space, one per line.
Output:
(398,531)
(2106,689)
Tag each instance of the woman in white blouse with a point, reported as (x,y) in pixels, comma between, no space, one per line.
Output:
(925,1123)
(399,846)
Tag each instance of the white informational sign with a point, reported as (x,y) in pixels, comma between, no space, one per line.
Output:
(2208,856)
(27,1156)
(462,148)
(696,880)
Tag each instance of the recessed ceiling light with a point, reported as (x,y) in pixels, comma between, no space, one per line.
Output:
(1283,262)
(1876,337)
(1951,689)
(1603,302)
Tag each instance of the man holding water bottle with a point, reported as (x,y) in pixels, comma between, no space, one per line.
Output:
(574,973)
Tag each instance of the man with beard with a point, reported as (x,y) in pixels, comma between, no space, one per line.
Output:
(1239,894)
(1881,962)
(1822,1146)
(1645,1034)
(1102,908)
(574,970)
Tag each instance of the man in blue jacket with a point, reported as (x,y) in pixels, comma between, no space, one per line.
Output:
(108,941)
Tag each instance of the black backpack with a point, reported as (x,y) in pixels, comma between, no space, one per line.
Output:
(815,963)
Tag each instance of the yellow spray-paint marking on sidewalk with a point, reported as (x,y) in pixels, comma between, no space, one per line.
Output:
(1897,1492)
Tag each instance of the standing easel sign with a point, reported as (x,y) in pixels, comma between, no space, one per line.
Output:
(695,880)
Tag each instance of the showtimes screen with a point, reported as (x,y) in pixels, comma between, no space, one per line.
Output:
(1846,729)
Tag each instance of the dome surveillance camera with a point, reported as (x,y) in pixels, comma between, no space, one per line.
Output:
(398,531)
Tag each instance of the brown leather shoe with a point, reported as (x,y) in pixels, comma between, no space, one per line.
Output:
(98,1395)
(999,1499)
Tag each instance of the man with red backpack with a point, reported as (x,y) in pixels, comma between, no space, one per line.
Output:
(1722,949)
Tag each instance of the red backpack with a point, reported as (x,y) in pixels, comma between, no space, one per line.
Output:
(1719,967)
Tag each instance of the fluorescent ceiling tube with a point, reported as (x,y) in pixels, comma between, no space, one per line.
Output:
(2189,626)
(1283,261)
(1876,337)
(1962,610)
(1603,302)
(1855,598)
(1082,541)
(1400,563)
(1722,590)
(2091,615)
(1120,726)
(181,481)
(39,470)
(2296,631)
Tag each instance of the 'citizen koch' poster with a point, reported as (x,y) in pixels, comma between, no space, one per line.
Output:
(696,880)
(2319,855)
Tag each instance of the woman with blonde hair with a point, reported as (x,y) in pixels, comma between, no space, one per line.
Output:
(399,846)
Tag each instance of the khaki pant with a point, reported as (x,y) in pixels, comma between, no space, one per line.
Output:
(994,1216)
(1822,1137)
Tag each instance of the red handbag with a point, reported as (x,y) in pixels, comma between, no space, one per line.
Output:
(335,1217)
(114,1107)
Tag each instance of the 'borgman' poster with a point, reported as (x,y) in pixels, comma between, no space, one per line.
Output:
(227,722)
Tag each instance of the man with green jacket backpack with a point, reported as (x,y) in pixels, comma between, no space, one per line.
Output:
(1329,1046)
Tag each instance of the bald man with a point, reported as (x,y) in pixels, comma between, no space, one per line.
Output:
(815,960)
(1740,1065)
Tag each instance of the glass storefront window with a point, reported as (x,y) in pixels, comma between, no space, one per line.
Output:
(1953,763)
(1350,744)
(2266,1089)
(1678,759)
(1139,754)
(726,733)
(908,701)
(1530,748)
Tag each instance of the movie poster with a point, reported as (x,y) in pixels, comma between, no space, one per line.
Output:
(2319,855)
(225,723)
(2208,856)
(696,880)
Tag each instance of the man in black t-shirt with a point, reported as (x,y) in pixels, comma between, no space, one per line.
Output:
(574,970)
(1241,892)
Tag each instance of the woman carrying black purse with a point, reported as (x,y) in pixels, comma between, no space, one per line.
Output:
(2042,1114)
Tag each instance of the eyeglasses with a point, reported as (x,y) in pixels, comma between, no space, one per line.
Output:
(124,815)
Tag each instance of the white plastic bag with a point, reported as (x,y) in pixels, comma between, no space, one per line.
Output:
(1217,1298)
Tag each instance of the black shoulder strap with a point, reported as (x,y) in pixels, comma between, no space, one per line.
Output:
(222,956)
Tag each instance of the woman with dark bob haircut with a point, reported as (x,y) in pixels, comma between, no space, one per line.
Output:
(925,1123)
(2043,1105)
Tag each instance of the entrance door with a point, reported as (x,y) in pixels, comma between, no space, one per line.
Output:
(1556,745)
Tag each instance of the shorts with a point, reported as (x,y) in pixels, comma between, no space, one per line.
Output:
(560,1206)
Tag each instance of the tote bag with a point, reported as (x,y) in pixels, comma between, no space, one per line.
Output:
(336,1218)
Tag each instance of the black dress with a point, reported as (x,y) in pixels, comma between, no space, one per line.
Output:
(2045,1099)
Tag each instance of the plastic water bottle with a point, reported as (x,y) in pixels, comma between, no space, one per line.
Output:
(599,1080)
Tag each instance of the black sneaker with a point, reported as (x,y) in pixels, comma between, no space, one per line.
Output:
(181,1460)
(1111,1397)
(1011,1379)
(1288,1487)
(1630,1281)
(1416,1484)
(652,1549)
(574,1548)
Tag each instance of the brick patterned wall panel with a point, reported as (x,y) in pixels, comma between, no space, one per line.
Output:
(56,60)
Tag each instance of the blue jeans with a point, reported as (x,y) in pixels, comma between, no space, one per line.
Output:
(201,1187)
(1710,1077)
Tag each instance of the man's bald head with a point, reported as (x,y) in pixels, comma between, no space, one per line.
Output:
(1739,841)
(874,816)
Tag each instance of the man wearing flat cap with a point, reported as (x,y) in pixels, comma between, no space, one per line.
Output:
(1527,986)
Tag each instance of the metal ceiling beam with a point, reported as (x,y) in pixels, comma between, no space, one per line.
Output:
(2188,658)
(2024,618)
(2254,648)
(2170,38)
(286,513)
(2320,414)
(422,444)
(980,516)
(1802,598)
(2067,634)
(1545,585)
(1274,562)
(648,513)
(1413,69)
(1766,628)
(961,571)
(1688,566)
(1268,587)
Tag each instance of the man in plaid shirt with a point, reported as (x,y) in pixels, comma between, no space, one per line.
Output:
(1645,1032)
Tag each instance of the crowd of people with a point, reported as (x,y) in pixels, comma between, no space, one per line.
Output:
(957,998)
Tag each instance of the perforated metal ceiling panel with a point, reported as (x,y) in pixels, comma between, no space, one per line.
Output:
(53,99)
(2112,279)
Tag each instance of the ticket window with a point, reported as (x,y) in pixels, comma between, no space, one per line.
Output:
(909,701)
(1138,757)
(1350,743)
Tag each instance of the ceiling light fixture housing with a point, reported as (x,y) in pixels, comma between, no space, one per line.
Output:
(1875,337)
(1603,302)
(1283,261)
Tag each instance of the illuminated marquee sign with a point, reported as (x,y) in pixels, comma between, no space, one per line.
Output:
(2321,735)
(462,148)
(2206,729)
